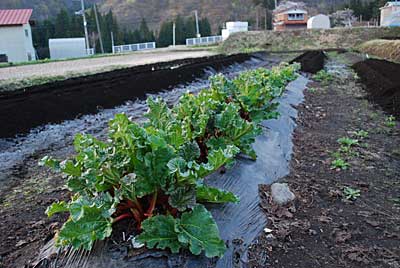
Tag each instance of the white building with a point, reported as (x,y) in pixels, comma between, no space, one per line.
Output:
(66,48)
(16,35)
(234,27)
(319,22)
(390,14)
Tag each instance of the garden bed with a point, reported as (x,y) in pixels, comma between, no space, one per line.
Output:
(382,82)
(324,226)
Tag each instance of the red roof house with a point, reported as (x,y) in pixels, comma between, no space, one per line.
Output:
(16,35)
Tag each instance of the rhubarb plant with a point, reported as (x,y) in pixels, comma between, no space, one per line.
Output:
(153,173)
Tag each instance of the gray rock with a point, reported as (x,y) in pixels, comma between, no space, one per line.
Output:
(281,194)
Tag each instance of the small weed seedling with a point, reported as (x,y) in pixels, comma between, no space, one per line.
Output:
(312,89)
(390,121)
(348,142)
(361,134)
(351,194)
(339,163)
(323,76)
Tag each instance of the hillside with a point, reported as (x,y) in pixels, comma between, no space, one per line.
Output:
(217,11)
(130,12)
(43,9)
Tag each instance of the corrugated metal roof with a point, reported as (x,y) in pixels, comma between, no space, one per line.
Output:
(14,16)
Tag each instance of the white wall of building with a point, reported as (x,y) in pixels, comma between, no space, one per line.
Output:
(66,48)
(390,14)
(234,27)
(319,22)
(16,43)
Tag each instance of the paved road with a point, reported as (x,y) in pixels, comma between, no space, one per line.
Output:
(98,64)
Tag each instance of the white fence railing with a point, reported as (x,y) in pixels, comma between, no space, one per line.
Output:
(203,40)
(134,47)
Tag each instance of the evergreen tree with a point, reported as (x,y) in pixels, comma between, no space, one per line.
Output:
(62,24)
(145,34)
(136,36)
(190,27)
(180,30)
(205,27)
(165,34)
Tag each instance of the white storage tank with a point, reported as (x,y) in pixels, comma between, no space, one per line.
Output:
(234,27)
(66,48)
(320,21)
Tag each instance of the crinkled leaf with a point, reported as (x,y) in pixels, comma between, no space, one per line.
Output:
(70,168)
(218,158)
(82,233)
(198,229)
(159,232)
(213,195)
(189,151)
(90,220)
(183,198)
(158,113)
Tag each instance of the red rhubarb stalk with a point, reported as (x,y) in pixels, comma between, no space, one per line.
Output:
(121,217)
(153,202)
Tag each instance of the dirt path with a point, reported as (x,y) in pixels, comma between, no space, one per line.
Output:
(62,68)
(322,228)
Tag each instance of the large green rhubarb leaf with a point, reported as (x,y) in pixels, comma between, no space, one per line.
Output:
(90,220)
(86,230)
(199,230)
(159,232)
(183,198)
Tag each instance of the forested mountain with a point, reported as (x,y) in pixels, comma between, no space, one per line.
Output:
(130,12)
(44,9)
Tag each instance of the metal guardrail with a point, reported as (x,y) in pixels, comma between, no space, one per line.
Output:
(134,47)
(203,40)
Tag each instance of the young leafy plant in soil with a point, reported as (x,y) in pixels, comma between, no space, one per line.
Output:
(154,173)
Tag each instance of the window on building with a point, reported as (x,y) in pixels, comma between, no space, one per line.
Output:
(29,56)
(296,16)
(26,33)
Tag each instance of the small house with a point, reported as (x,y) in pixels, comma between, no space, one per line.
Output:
(390,14)
(290,16)
(319,22)
(234,27)
(16,36)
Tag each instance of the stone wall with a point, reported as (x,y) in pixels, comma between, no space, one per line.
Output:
(306,39)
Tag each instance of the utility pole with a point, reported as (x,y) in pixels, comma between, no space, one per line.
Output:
(98,28)
(112,42)
(85,24)
(197,24)
(173,34)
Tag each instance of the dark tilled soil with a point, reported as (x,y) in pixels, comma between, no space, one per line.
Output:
(311,61)
(321,228)
(383,83)
(24,109)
